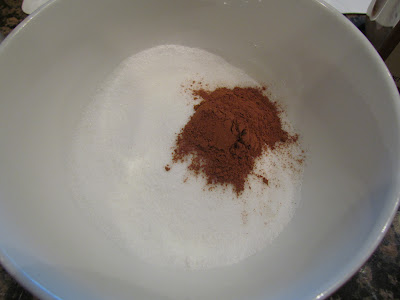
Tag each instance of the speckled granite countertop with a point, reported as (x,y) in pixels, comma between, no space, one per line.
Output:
(378,279)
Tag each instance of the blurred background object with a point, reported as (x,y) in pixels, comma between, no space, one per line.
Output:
(383,15)
(349,6)
(382,28)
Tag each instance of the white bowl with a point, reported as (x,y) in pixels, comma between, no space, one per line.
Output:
(339,95)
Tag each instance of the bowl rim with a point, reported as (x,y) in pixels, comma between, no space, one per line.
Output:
(37,289)
(366,251)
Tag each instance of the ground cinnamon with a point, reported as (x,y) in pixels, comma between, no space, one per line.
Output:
(229,129)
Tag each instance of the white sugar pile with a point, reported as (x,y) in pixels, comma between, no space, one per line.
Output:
(123,144)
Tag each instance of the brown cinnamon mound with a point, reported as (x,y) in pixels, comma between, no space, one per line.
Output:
(228,131)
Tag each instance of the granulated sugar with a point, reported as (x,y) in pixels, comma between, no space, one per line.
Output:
(125,141)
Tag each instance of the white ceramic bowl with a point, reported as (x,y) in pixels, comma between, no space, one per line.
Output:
(339,95)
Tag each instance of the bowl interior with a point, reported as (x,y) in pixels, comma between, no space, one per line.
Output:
(337,92)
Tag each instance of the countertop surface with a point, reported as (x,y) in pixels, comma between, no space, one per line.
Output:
(379,278)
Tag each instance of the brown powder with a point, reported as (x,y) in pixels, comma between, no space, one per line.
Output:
(229,129)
